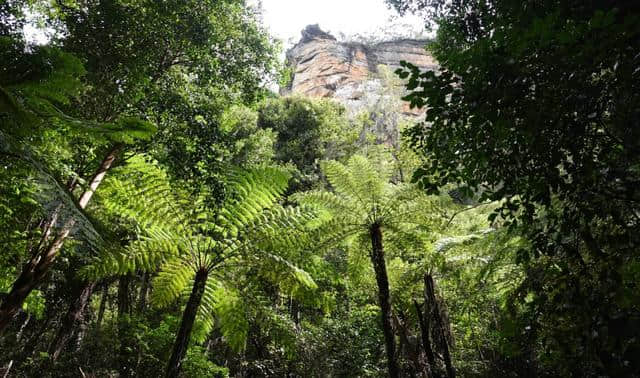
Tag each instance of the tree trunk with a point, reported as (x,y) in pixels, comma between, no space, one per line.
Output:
(188,317)
(412,348)
(31,275)
(423,320)
(98,176)
(380,267)
(22,327)
(32,343)
(124,334)
(435,309)
(36,269)
(103,304)
(74,316)
(124,302)
(144,290)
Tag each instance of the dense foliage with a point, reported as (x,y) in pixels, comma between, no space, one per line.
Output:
(538,103)
(162,213)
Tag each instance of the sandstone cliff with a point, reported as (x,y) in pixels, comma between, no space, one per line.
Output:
(348,72)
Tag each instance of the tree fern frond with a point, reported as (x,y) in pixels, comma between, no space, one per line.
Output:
(280,229)
(146,254)
(251,192)
(143,193)
(334,231)
(342,181)
(358,179)
(282,269)
(368,178)
(444,244)
(232,315)
(323,200)
(213,292)
(175,277)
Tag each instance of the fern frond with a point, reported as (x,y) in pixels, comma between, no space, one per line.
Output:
(176,276)
(232,316)
(143,193)
(368,178)
(284,273)
(279,229)
(213,292)
(342,181)
(358,179)
(444,244)
(146,254)
(323,200)
(250,192)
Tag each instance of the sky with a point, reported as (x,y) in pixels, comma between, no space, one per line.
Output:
(286,18)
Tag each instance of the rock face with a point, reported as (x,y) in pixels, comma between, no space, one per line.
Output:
(347,72)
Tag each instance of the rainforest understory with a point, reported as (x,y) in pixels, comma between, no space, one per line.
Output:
(164,212)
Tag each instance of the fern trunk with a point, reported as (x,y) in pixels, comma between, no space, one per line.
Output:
(36,269)
(186,325)
(423,321)
(74,316)
(434,306)
(384,297)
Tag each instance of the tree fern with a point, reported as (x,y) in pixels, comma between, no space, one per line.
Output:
(190,245)
(365,204)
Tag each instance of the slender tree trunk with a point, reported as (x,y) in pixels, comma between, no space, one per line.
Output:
(384,297)
(22,327)
(98,176)
(36,269)
(32,273)
(142,304)
(124,335)
(103,304)
(188,317)
(420,366)
(435,307)
(426,339)
(144,290)
(124,302)
(81,332)
(74,316)
(33,341)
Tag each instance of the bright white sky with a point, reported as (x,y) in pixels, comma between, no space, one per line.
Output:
(286,18)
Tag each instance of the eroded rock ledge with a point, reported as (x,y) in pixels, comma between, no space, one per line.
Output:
(325,67)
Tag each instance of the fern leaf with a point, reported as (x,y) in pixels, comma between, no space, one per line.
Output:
(232,315)
(176,276)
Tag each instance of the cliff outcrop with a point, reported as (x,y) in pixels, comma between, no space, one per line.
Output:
(347,71)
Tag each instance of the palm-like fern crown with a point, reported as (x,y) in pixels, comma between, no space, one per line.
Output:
(180,236)
(363,196)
